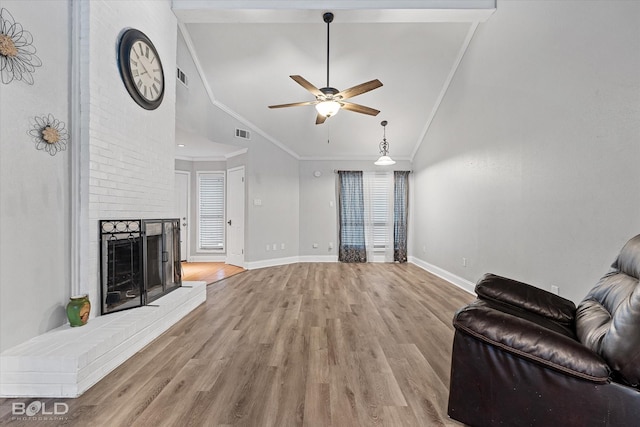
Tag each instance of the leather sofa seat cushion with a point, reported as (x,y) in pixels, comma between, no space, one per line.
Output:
(608,319)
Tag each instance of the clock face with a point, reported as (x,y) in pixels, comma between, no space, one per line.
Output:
(146,71)
(141,69)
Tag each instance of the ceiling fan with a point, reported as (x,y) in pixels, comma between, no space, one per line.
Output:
(330,100)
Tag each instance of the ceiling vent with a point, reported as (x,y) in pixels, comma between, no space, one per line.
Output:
(182,77)
(244,134)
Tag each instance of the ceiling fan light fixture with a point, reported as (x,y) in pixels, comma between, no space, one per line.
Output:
(330,100)
(384,159)
(328,108)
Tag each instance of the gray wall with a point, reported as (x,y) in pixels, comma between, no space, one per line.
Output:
(530,169)
(34,186)
(271,174)
(318,203)
(272,178)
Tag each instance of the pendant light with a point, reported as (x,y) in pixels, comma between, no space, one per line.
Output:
(384,159)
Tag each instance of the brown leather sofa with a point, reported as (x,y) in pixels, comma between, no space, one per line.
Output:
(526,357)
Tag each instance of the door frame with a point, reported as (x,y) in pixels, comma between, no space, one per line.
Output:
(187,238)
(243,211)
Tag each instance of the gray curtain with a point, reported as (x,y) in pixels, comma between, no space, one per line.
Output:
(351,207)
(400,209)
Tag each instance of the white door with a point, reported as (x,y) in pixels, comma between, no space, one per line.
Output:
(235,216)
(181,201)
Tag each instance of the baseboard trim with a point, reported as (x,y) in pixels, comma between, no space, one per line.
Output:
(318,258)
(273,262)
(458,281)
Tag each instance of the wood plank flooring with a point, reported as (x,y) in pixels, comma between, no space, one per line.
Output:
(309,344)
(209,272)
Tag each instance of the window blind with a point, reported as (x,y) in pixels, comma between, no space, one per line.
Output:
(211,212)
(380,202)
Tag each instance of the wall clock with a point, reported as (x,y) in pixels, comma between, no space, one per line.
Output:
(141,69)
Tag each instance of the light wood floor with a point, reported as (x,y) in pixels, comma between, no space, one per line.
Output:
(209,272)
(309,344)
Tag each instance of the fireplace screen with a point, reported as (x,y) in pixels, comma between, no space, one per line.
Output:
(140,261)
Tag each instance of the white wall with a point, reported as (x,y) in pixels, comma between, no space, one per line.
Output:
(530,169)
(34,186)
(318,203)
(131,150)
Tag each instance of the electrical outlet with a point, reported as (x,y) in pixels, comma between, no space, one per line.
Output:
(330,246)
(275,246)
(464,262)
(268,248)
(315,246)
(555,290)
(282,246)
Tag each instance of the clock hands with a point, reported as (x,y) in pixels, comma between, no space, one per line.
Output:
(141,64)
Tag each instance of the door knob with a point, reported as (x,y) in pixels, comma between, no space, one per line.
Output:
(229,222)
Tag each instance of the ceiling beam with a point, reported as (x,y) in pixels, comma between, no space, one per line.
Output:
(351,11)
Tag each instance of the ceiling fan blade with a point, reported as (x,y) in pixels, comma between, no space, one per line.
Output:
(359,108)
(359,89)
(320,119)
(308,86)
(294,104)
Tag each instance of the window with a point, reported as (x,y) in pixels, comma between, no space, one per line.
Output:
(373,216)
(211,211)
(378,215)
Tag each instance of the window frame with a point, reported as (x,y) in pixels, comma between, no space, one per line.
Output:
(223,177)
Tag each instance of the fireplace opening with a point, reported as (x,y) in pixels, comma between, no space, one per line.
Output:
(140,261)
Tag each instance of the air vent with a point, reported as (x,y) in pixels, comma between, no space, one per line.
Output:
(244,134)
(182,77)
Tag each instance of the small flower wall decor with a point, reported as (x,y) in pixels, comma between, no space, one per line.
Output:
(18,59)
(49,134)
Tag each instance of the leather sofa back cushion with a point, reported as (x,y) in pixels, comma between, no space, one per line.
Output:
(608,319)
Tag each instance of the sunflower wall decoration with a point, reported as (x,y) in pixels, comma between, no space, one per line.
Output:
(49,134)
(18,58)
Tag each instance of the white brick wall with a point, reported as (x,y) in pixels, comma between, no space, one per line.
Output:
(131,150)
(67,361)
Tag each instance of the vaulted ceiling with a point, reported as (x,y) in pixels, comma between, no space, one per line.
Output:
(246,51)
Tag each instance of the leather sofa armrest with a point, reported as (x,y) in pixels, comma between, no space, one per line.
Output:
(526,297)
(531,341)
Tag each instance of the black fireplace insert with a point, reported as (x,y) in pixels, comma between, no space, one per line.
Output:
(139,261)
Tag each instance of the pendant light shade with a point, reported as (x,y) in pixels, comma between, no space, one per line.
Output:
(384,159)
